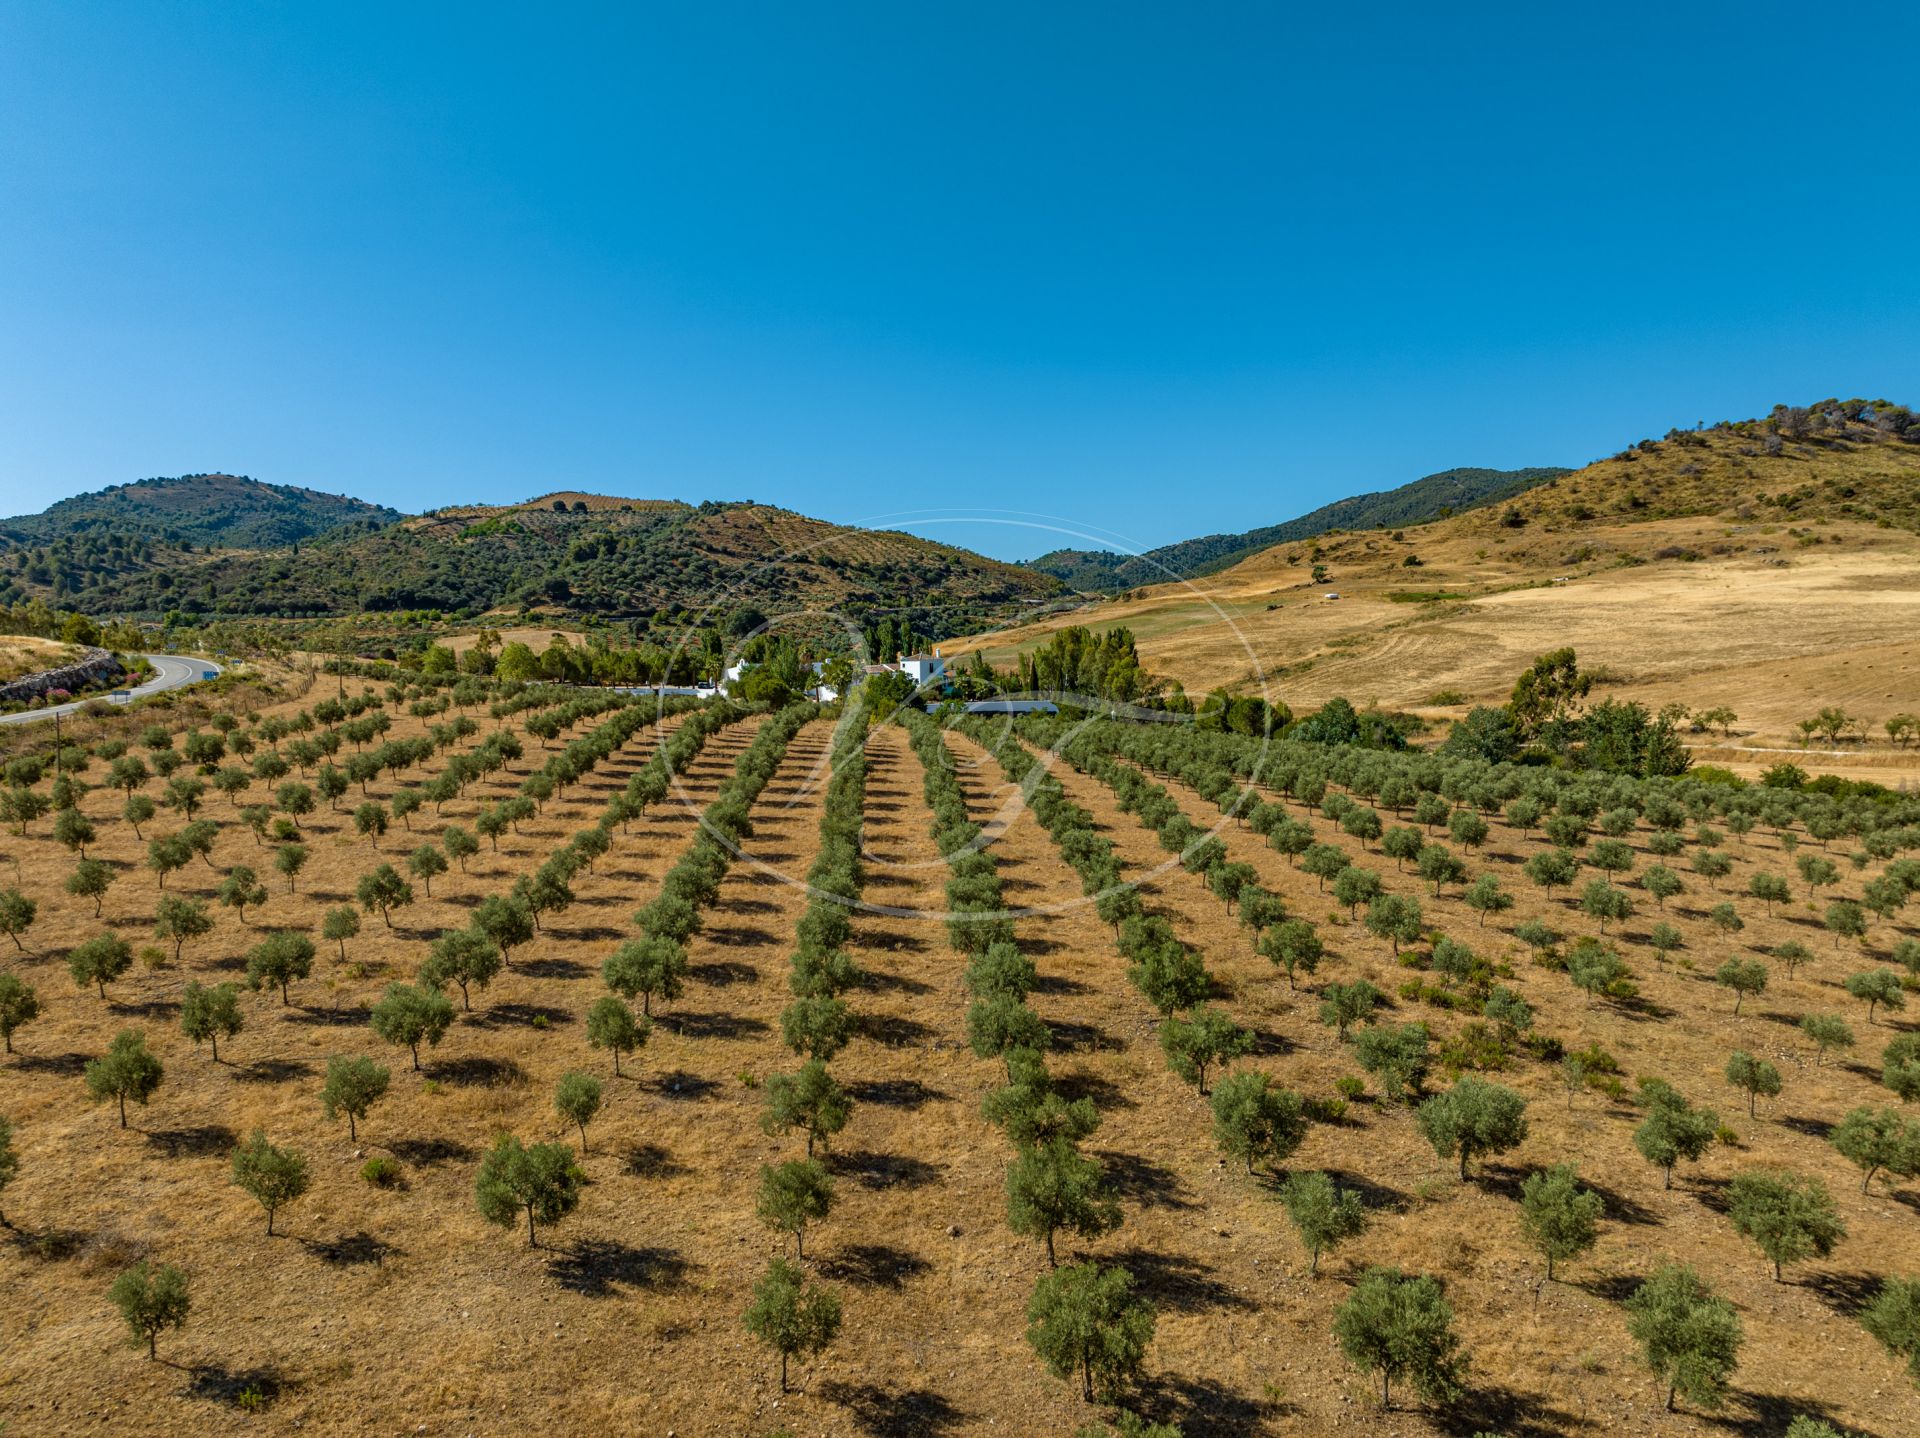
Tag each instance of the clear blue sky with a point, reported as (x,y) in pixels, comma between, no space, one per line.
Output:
(1155,269)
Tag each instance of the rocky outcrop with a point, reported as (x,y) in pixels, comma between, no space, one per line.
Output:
(93,667)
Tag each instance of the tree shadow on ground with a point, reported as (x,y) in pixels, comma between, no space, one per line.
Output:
(917,1413)
(1182,1284)
(588,934)
(478,1071)
(600,1267)
(874,1265)
(552,968)
(350,1250)
(885,1170)
(354,1017)
(248,1388)
(1372,1195)
(1766,1415)
(503,1015)
(895,1093)
(1142,1181)
(1070,1037)
(1204,1407)
(723,973)
(1818,1128)
(64,1065)
(426,1152)
(1845,1293)
(741,936)
(49,1245)
(880,981)
(1104,1093)
(1490,1409)
(271,1071)
(893,1031)
(203,1141)
(679,1084)
(153,1010)
(1620,1208)
(1612,1287)
(649,1160)
(715,1026)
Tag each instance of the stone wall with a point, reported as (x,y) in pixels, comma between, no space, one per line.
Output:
(93,667)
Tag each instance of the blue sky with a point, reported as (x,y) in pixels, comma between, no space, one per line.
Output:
(1155,270)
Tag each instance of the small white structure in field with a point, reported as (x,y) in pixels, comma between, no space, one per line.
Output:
(922,668)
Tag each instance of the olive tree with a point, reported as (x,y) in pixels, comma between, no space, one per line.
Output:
(611,1025)
(1791,1217)
(352,1087)
(1689,1337)
(1086,1319)
(1194,1045)
(794,1318)
(793,1195)
(1323,1214)
(1894,1319)
(126,1071)
(19,1006)
(1673,1130)
(1472,1119)
(209,1014)
(577,1099)
(99,961)
(1054,1186)
(274,1176)
(407,1016)
(1400,1326)
(1256,1120)
(1753,1075)
(810,1101)
(1873,1140)
(1561,1219)
(151,1300)
(277,960)
(541,1181)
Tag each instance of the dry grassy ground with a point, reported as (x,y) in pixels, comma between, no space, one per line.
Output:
(20,654)
(1769,629)
(403,1311)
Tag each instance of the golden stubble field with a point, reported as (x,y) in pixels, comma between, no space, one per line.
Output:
(1755,621)
(402,1311)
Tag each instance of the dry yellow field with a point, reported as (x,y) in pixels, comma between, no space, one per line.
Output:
(21,654)
(1770,629)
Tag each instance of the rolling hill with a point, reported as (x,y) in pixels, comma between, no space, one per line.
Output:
(1432,497)
(1772,565)
(562,553)
(223,510)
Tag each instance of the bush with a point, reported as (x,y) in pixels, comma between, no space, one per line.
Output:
(382,1172)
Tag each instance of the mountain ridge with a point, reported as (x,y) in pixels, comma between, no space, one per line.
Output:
(1429,497)
(233,511)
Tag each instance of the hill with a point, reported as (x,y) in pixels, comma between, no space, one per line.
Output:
(1432,497)
(227,511)
(1768,565)
(575,553)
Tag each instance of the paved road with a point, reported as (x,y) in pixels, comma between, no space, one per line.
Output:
(171,671)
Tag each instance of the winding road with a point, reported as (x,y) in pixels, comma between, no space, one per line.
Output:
(170,671)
